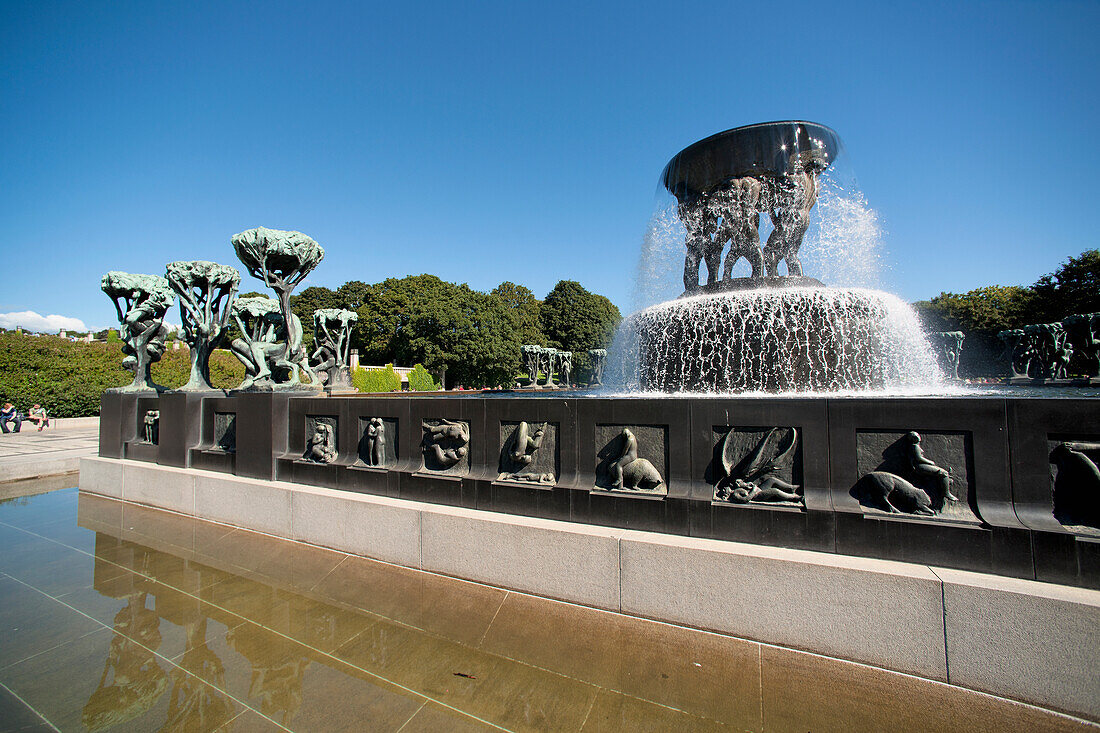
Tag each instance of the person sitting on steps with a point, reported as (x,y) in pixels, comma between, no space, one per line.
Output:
(9,414)
(38,416)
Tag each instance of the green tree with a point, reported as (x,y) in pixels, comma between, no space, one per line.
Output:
(526,306)
(577,320)
(989,309)
(1073,288)
(470,337)
(304,303)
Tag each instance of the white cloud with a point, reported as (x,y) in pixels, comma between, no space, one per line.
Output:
(31,321)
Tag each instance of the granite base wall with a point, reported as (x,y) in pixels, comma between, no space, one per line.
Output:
(997,450)
(1030,641)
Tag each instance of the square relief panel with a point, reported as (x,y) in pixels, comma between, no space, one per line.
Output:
(632,459)
(377,441)
(1075,481)
(446,446)
(320,439)
(528,453)
(225,431)
(756,466)
(921,474)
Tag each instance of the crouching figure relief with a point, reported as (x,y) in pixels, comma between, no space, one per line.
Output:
(446,446)
(625,471)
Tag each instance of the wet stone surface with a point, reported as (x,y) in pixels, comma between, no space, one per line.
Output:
(119,617)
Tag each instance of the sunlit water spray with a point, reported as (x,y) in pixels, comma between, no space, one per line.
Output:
(846,338)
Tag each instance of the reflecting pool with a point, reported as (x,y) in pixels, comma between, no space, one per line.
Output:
(115,616)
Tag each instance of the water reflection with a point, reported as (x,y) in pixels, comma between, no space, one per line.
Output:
(201,627)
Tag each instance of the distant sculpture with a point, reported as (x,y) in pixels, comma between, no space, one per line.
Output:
(564,366)
(1076,484)
(1049,351)
(206,291)
(151,425)
(376,442)
(446,444)
(790,198)
(629,472)
(1017,351)
(597,359)
(282,259)
(892,493)
(141,302)
(739,204)
(532,360)
(330,358)
(261,327)
(1083,334)
(322,444)
(923,467)
(700,222)
(948,345)
(754,477)
(548,362)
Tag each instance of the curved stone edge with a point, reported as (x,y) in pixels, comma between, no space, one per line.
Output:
(1020,639)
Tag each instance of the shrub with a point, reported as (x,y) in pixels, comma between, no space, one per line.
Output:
(68,378)
(421,381)
(376,380)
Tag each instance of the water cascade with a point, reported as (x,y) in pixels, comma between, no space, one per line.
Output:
(766,332)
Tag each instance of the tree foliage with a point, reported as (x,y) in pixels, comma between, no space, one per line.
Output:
(527,308)
(471,337)
(981,313)
(577,320)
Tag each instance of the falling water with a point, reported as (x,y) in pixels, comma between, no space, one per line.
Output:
(848,337)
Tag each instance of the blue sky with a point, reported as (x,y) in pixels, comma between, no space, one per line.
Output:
(484,142)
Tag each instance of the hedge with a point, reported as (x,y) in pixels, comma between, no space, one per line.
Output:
(421,381)
(376,380)
(69,377)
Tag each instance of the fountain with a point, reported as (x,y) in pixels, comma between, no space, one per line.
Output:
(767,332)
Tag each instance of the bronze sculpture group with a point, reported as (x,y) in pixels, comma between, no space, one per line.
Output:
(270,345)
(730,215)
(1044,350)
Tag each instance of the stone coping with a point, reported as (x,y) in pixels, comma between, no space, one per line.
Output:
(1026,640)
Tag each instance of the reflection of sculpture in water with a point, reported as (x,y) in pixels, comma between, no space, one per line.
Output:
(150,423)
(376,442)
(753,478)
(922,466)
(322,444)
(630,473)
(1076,483)
(132,681)
(194,704)
(446,443)
(278,668)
